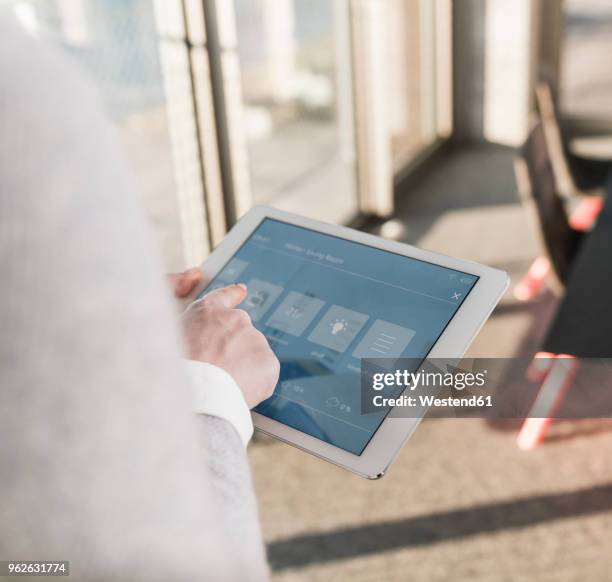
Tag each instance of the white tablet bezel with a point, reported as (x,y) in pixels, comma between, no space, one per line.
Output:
(459,333)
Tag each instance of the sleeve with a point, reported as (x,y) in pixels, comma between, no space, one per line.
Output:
(102,460)
(217,394)
(232,489)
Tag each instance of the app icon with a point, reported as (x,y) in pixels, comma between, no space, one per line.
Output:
(337,328)
(295,312)
(261,296)
(384,340)
(256,299)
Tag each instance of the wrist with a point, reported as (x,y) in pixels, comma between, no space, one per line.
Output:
(218,394)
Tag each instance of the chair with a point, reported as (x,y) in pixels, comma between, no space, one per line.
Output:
(539,195)
(575,175)
(559,243)
(578,181)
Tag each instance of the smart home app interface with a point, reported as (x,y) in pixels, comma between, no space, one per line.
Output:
(324,303)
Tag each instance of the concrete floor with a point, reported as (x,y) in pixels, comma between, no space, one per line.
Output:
(461,502)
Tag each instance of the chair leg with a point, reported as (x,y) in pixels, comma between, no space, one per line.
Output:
(584,216)
(540,366)
(558,380)
(531,284)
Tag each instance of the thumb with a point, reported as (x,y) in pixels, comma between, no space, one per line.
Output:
(229,296)
(184,283)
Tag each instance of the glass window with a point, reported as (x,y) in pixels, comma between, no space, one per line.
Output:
(416,66)
(404,57)
(587,42)
(296,84)
(115,42)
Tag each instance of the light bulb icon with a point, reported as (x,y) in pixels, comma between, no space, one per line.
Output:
(338,326)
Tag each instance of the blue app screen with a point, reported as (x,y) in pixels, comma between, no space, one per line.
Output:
(324,303)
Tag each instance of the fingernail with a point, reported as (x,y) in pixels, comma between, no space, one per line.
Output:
(242,286)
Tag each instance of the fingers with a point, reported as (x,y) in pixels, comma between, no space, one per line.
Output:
(184,283)
(229,297)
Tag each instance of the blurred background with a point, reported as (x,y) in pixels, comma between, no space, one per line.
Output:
(401,117)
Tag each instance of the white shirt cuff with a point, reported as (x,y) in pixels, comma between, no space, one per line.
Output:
(217,394)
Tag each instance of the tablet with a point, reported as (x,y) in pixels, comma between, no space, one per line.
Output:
(327,296)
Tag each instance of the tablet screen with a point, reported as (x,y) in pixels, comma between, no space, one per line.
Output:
(324,303)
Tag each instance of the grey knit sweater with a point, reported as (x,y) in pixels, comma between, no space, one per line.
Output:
(101,461)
